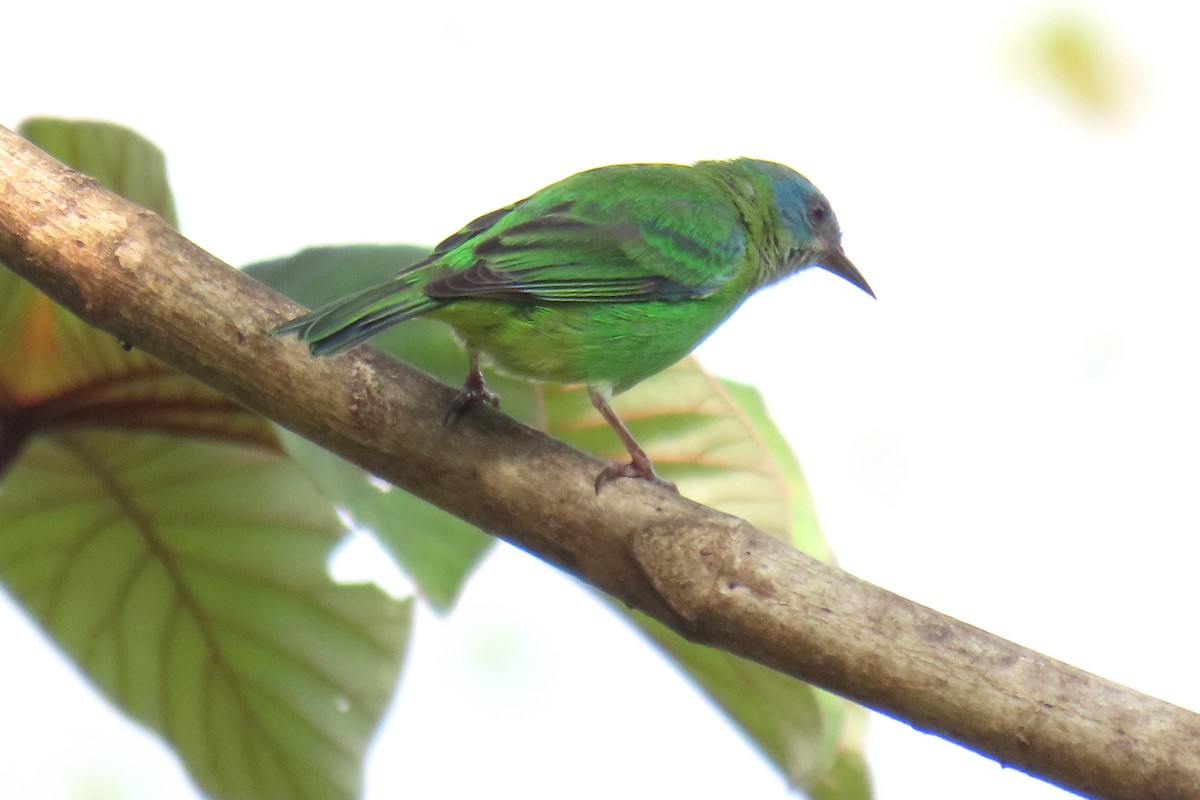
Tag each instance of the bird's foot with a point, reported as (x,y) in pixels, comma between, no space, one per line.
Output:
(639,465)
(637,468)
(473,391)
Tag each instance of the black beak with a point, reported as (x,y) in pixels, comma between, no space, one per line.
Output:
(834,260)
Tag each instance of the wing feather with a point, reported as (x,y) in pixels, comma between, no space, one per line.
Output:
(616,235)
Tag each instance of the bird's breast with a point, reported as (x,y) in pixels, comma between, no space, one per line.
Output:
(618,344)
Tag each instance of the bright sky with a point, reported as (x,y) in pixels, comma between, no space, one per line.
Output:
(1008,435)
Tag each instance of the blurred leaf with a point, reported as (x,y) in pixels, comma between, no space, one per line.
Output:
(120,159)
(849,777)
(319,275)
(435,548)
(159,533)
(778,713)
(814,738)
(438,550)
(188,579)
(800,528)
(714,438)
(1070,54)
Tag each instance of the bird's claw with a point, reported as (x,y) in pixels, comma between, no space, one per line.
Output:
(633,469)
(468,396)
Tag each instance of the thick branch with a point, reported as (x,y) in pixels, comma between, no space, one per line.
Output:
(711,577)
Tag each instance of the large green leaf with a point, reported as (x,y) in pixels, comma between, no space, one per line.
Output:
(714,438)
(435,548)
(119,158)
(159,533)
(188,579)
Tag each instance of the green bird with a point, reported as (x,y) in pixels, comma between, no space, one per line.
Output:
(603,278)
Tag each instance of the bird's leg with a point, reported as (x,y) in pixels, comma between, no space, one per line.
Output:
(639,465)
(473,391)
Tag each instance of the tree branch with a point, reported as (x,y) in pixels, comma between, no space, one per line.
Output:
(712,577)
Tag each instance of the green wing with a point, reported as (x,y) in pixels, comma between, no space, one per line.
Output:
(617,234)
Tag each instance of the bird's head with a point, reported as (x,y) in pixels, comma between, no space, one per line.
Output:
(809,236)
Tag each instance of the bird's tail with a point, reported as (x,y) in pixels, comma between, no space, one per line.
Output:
(352,320)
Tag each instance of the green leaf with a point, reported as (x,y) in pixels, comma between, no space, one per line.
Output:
(188,579)
(791,490)
(714,438)
(813,737)
(710,436)
(161,535)
(120,159)
(437,549)
(319,275)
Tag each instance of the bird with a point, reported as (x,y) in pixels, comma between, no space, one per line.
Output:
(603,278)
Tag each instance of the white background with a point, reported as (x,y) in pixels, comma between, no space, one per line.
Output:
(1008,435)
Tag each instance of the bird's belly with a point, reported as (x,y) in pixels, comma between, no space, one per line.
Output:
(618,344)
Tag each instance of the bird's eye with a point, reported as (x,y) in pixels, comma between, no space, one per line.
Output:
(817,213)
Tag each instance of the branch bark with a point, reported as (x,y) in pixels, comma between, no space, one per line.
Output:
(712,577)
